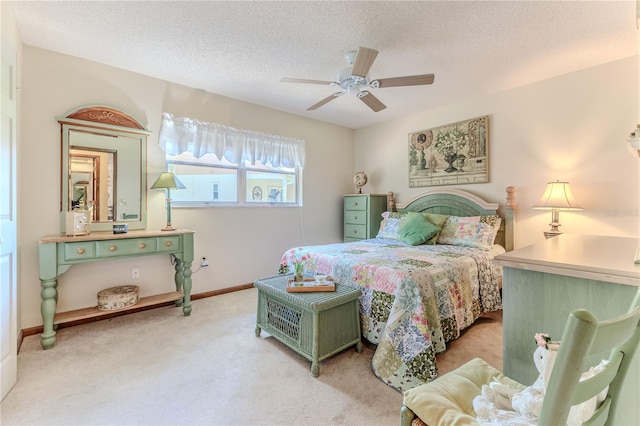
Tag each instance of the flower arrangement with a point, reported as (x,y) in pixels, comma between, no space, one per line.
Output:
(451,141)
(543,340)
(297,259)
(284,268)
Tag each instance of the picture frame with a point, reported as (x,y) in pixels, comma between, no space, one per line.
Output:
(453,154)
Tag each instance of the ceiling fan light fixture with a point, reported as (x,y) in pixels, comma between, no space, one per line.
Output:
(350,56)
(354,79)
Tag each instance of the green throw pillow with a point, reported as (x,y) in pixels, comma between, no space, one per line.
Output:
(438,220)
(417,229)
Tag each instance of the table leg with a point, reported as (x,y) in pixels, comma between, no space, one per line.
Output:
(179,278)
(315,364)
(186,308)
(357,311)
(184,283)
(49,296)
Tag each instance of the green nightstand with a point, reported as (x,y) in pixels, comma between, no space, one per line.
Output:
(362,215)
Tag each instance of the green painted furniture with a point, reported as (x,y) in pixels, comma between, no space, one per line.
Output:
(57,253)
(584,341)
(456,202)
(316,324)
(546,281)
(362,215)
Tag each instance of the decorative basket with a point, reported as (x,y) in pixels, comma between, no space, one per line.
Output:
(118,297)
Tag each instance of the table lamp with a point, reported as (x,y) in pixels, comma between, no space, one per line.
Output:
(168,181)
(557,196)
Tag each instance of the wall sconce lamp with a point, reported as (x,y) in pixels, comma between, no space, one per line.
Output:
(557,196)
(168,181)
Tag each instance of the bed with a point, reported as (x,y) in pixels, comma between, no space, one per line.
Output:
(420,289)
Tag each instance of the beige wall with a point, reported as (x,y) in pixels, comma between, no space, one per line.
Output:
(572,127)
(242,244)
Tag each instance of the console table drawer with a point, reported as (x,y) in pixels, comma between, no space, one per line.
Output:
(79,251)
(168,244)
(126,247)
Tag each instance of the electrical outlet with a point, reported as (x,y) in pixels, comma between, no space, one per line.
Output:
(135,273)
(204,262)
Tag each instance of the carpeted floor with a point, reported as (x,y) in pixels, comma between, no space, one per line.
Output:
(160,368)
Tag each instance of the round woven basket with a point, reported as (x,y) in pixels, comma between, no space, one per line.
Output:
(118,297)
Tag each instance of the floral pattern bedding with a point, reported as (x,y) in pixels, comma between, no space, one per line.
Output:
(414,298)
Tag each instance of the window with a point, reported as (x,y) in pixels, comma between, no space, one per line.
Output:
(224,166)
(214,193)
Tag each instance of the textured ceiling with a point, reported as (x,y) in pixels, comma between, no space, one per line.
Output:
(242,49)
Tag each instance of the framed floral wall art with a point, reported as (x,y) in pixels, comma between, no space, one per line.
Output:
(453,154)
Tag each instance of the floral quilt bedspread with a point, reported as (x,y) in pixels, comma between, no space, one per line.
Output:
(415,298)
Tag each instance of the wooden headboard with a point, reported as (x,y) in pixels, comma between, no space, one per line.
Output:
(456,202)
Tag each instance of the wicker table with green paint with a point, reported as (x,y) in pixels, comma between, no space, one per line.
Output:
(316,324)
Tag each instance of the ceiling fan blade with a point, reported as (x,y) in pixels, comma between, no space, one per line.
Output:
(410,80)
(324,101)
(363,62)
(303,80)
(371,101)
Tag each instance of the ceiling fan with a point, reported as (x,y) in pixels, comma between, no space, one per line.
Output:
(354,79)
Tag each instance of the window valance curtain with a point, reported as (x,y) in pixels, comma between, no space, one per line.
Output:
(180,134)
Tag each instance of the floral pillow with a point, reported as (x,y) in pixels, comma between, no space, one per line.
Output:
(473,231)
(390,224)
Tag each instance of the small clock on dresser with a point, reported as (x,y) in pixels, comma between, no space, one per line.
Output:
(360,180)
(78,222)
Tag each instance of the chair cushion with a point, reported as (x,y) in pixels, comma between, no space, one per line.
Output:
(449,398)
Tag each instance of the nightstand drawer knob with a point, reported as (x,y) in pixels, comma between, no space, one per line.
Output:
(355,204)
(112,248)
(80,251)
(142,245)
(355,232)
(355,218)
(168,243)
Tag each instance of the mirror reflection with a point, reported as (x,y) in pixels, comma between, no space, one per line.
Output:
(104,167)
(110,166)
(92,181)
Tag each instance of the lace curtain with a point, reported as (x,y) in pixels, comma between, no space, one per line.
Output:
(180,134)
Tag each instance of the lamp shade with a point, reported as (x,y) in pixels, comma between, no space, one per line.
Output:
(167,180)
(558,196)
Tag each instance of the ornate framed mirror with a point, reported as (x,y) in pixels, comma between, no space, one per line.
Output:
(104,165)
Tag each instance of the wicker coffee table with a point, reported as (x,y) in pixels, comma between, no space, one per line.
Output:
(316,324)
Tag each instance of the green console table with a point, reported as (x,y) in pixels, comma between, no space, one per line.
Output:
(57,253)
